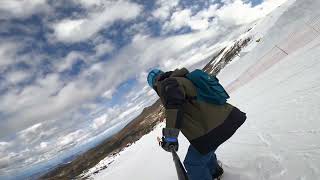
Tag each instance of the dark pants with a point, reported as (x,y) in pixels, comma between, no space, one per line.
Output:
(199,166)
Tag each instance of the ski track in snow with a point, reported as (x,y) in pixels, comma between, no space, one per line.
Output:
(279,89)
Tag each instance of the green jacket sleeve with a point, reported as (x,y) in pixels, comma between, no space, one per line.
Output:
(173,98)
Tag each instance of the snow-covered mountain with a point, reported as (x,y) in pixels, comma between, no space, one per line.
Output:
(275,80)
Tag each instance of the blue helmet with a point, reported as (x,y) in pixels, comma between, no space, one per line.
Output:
(152,76)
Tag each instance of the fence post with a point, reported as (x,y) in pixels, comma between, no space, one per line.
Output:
(313,28)
(281,49)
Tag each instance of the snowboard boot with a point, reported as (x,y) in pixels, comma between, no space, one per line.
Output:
(219,173)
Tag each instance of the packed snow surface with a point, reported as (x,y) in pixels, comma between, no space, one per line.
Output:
(277,83)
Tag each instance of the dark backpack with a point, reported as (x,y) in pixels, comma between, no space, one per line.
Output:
(208,87)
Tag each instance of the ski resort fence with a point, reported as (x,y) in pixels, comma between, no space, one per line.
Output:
(294,41)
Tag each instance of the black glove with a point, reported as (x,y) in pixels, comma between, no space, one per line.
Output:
(168,143)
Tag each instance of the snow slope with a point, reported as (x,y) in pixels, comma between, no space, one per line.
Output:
(278,84)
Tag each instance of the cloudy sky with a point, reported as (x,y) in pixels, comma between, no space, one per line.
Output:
(71,70)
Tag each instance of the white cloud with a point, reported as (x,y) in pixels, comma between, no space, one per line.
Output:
(138,28)
(15,77)
(89,3)
(185,18)
(134,95)
(43,145)
(179,19)
(69,61)
(4,146)
(199,24)
(104,48)
(165,8)
(238,12)
(76,30)
(108,94)
(98,122)
(71,138)
(4,161)
(50,84)
(269,5)
(232,13)
(31,95)
(22,8)
(31,134)
(7,54)
(66,30)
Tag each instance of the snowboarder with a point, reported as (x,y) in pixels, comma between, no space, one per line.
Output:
(206,125)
